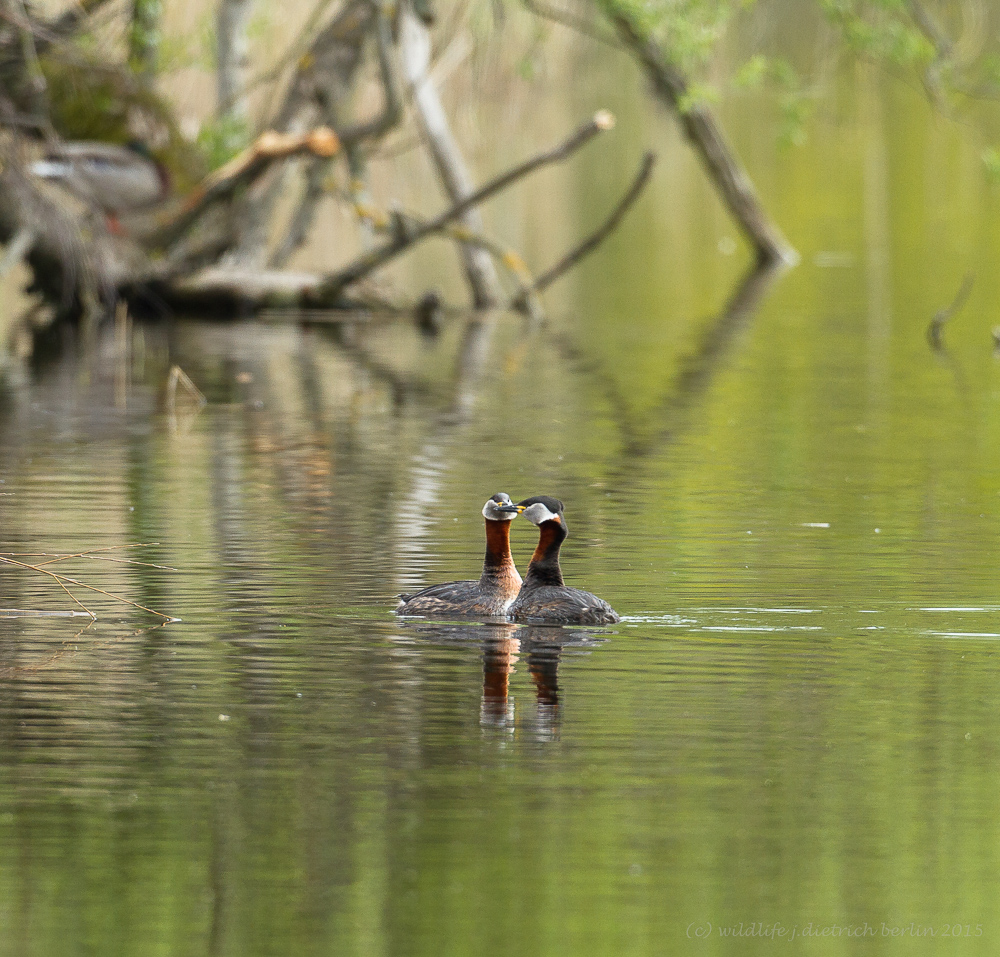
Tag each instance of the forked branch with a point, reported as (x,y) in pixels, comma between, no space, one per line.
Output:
(371,261)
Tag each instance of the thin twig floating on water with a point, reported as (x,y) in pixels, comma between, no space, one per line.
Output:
(64,581)
(94,554)
(943,315)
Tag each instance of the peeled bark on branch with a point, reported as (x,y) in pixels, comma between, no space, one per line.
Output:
(705,134)
(232,57)
(245,168)
(415,46)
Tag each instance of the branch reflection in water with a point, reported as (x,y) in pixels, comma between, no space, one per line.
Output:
(503,645)
(695,373)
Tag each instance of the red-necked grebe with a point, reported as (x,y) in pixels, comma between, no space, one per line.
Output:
(497,587)
(543,596)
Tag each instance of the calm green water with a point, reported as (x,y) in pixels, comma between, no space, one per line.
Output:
(792,499)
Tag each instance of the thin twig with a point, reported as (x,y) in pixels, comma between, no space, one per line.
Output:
(177,374)
(942,45)
(372,260)
(95,554)
(936,326)
(30,52)
(392,88)
(598,235)
(64,580)
(294,53)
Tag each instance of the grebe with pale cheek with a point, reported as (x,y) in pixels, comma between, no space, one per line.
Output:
(497,587)
(544,597)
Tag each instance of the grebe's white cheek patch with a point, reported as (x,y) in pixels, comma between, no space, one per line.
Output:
(492,506)
(539,513)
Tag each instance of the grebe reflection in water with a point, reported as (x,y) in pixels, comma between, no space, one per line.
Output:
(497,587)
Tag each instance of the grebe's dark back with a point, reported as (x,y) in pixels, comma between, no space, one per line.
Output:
(497,586)
(544,597)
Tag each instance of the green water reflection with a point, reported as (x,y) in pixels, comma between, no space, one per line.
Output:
(788,494)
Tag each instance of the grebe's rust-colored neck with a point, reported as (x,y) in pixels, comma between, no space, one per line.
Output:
(544,568)
(498,562)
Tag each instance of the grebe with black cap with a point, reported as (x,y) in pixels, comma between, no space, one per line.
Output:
(544,597)
(497,586)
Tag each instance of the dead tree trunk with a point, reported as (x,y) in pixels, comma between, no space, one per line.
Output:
(415,49)
(233,58)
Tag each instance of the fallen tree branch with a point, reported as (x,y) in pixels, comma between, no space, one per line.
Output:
(591,242)
(385,223)
(320,87)
(372,260)
(350,137)
(326,68)
(701,128)
(237,291)
(241,171)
